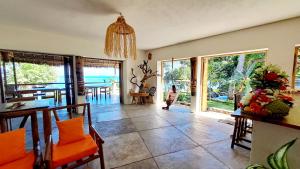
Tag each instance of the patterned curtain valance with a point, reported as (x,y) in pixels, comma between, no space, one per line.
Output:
(94,62)
(34,57)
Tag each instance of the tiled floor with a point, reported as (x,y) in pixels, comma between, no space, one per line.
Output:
(147,137)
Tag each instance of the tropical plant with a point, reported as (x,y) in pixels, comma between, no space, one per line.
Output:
(277,160)
(28,73)
(241,79)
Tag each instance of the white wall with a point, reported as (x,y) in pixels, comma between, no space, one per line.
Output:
(38,41)
(280,38)
(128,64)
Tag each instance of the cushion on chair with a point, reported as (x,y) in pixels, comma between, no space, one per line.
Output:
(22,163)
(67,153)
(12,146)
(70,130)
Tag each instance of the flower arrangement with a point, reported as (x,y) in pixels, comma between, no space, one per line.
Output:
(266,98)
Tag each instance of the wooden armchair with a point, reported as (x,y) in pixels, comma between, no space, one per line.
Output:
(76,153)
(12,149)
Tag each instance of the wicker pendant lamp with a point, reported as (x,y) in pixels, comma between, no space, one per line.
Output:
(120,39)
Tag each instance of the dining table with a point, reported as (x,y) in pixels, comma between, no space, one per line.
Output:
(95,88)
(28,109)
(56,90)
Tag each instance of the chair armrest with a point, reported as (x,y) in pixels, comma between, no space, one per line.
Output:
(95,134)
(48,152)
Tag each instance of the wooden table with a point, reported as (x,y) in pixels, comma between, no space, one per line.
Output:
(56,91)
(269,134)
(138,98)
(29,109)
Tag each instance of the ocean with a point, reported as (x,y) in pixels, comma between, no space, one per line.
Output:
(88,79)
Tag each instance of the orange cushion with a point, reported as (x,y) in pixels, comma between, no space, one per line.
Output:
(12,146)
(70,130)
(64,154)
(23,163)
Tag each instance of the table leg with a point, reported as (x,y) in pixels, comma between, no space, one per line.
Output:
(59,96)
(47,123)
(34,129)
(97,92)
(105,92)
(3,125)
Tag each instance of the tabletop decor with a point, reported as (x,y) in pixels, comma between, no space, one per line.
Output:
(267,97)
(277,160)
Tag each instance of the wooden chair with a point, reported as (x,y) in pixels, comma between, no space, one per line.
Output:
(77,153)
(87,92)
(105,90)
(241,127)
(31,159)
(151,92)
(25,92)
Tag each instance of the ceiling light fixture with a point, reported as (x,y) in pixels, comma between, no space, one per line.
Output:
(120,39)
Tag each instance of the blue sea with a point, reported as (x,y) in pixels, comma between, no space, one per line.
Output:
(89,79)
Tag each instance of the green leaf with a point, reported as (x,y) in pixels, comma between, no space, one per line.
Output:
(278,160)
(280,155)
(271,162)
(256,166)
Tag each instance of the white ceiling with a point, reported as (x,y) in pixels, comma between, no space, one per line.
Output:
(157,23)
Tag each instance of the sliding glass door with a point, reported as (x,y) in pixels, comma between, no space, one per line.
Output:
(223,76)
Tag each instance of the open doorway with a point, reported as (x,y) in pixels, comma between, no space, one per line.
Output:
(225,75)
(102,81)
(178,73)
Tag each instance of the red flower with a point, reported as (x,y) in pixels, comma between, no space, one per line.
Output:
(264,98)
(255,107)
(282,87)
(240,105)
(286,98)
(271,76)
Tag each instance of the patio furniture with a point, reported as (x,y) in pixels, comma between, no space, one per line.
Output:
(151,92)
(106,90)
(21,93)
(74,148)
(42,92)
(138,98)
(13,147)
(25,111)
(241,126)
(87,92)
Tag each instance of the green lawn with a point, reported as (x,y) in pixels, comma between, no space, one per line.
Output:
(221,105)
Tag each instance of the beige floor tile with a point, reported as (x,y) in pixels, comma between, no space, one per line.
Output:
(189,159)
(203,134)
(124,149)
(149,122)
(236,158)
(145,164)
(166,140)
